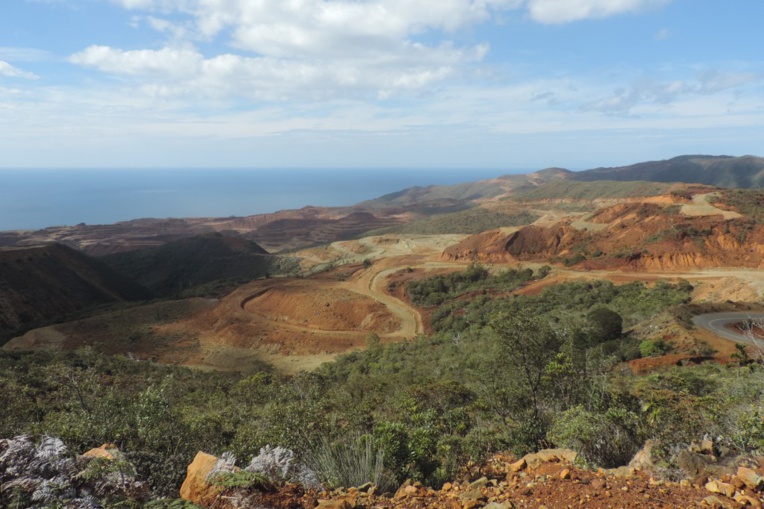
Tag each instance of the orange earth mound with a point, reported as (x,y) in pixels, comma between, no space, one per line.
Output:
(331,309)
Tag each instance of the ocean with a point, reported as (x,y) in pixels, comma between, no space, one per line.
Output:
(35,199)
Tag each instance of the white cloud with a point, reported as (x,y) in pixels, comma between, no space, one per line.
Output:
(319,48)
(164,63)
(185,71)
(566,11)
(10,71)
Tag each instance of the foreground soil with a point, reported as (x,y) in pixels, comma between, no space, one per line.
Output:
(508,484)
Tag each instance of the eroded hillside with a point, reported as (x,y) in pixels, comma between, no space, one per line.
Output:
(646,235)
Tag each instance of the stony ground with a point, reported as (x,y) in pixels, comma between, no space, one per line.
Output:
(544,480)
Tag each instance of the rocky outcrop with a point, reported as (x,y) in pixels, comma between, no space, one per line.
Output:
(42,473)
(486,246)
(196,488)
(275,466)
(532,241)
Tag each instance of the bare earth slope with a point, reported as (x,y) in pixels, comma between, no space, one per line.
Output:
(658,234)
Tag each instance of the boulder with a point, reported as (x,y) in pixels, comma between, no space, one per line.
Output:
(518,465)
(195,487)
(643,460)
(715,502)
(750,478)
(747,500)
(107,451)
(693,464)
(334,504)
(550,455)
(722,488)
(621,471)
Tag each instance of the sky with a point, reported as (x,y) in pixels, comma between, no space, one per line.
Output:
(505,84)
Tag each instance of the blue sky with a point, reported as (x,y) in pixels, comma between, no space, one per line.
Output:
(505,84)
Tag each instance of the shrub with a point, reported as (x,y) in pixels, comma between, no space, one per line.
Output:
(649,348)
(348,462)
(607,324)
(607,439)
(747,429)
(242,479)
(43,474)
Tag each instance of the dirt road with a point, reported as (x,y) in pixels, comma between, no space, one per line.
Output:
(718,323)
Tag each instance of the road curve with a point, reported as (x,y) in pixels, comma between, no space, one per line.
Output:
(717,323)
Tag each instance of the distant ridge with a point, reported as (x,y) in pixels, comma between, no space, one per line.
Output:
(42,284)
(459,196)
(719,171)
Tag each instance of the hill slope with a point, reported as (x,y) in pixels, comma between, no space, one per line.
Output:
(41,284)
(461,194)
(631,236)
(194,261)
(720,171)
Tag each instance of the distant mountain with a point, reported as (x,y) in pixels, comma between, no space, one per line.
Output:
(719,171)
(42,284)
(194,261)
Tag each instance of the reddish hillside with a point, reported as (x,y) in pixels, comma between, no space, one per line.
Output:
(38,285)
(634,236)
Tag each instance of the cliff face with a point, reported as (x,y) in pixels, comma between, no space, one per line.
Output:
(632,237)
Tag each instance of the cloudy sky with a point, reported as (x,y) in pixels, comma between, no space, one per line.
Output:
(506,84)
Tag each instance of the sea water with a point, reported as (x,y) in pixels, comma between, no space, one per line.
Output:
(35,198)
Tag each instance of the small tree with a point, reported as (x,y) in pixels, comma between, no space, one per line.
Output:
(607,324)
(528,346)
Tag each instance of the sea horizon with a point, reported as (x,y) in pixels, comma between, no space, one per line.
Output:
(38,198)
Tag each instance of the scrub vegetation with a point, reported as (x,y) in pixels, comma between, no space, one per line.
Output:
(516,373)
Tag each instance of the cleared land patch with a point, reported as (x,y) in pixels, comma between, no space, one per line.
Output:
(331,309)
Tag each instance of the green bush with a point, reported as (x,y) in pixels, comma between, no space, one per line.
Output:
(607,324)
(608,439)
(650,348)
